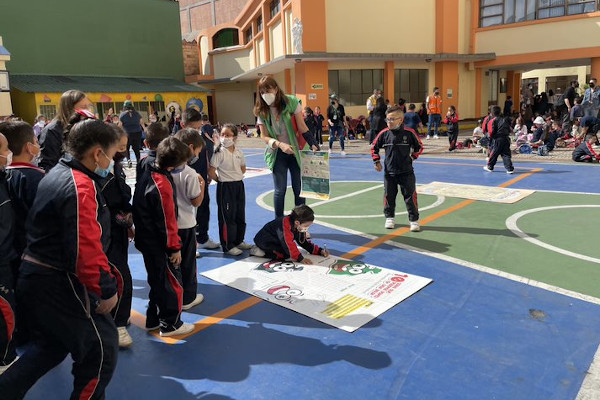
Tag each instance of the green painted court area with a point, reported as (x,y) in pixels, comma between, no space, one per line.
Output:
(478,233)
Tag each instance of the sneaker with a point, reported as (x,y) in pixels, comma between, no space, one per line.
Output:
(182,330)
(244,246)
(257,251)
(415,227)
(436,137)
(428,137)
(198,255)
(129,164)
(512,171)
(209,244)
(3,368)
(343,153)
(486,168)
(199,298)
(389,223)
(234,251)
(125,340)
(329,151)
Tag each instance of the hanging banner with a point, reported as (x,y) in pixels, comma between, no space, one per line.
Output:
(315,175)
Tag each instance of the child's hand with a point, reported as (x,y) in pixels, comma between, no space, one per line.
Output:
(378,167)
(325,253)
(105,306)
(306,261)
(175,259)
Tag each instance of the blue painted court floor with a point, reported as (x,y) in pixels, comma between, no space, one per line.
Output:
(468,335)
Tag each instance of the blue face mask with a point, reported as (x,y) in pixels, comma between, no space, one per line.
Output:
(103,172)
(177,170)
(193,160)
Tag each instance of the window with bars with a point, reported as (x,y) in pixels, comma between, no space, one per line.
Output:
(497,12)
(354,86)
(248,35)
(48,111)
(275,7)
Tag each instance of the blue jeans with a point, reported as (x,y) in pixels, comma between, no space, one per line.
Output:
(336,130)
(283,163)
(434,123)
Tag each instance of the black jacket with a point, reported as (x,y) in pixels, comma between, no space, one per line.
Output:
(51,141)
(337,116)
(23,180)
(116,192)
(7,225)
(142,164)
(378,118)
(402,146)
(155,212)
(279,236)
(68,227)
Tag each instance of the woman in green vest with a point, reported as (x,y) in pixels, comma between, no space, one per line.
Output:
(282,127)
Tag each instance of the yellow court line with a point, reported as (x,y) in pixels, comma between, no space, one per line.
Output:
(139,320)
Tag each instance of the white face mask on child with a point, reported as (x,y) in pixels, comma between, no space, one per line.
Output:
(226,142)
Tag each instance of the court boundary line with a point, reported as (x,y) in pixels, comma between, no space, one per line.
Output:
(591,381)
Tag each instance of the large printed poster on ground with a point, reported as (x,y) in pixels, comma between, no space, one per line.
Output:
(315,174)
(475,192)
(341,293)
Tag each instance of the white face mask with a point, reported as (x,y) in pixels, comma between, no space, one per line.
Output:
(42,123)
(226,142)
(269,98)
(8,159)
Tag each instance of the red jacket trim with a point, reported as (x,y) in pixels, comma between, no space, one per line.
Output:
(165,191)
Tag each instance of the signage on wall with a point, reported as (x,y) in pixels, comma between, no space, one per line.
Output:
(449,93)
(316,86)
(312,96)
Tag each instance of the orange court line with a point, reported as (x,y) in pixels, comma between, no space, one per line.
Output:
(139,320)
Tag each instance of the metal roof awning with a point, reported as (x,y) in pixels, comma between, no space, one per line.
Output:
(289,60)
(99,84)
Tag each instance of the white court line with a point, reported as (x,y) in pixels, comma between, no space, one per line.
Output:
(468,264)
(438,202)
(590,388)
(346,195)
(511,224)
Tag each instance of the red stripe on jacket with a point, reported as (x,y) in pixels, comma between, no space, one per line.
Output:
(591,149)
(165,191)
(9,318)
(288,236)
(91,260)
(88,390)
(377,157)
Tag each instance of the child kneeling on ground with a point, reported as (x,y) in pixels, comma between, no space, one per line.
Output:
(278,238)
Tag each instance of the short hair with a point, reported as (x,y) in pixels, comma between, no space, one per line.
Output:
(191,115)
(17,133)
(394,109)
(303,213)
(435,88)
(156,133)
(190,136)
(308,110)
(204,117)
(496,110)
(120,131)
(578,99)
(574,81)
(89,133)
(412,106)
(172,152)
(231,127)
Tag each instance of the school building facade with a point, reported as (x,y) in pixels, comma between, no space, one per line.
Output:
(112,50)
(476,51)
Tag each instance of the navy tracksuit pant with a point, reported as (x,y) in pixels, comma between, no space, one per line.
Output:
(61,321)
(500,146)
(408,188)
(231,200)
(189,277)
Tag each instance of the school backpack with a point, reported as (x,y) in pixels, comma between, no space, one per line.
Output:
(525,149)
(543,150)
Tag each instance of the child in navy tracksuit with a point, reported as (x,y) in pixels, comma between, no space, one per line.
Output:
(7,256)
(402,145)
(277,239)
(156,236)
(499,129)
(228,167)
(117,194)
(585,152)
(190,187)
(452,121)
(155,133)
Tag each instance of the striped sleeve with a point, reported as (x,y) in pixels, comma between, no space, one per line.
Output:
(167,205)
(92,265)
(376,146)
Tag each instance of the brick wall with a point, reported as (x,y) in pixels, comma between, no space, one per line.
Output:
(191,58)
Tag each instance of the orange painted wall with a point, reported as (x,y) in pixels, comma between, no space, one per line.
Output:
(446,77)
(595,71)
(308,74)
(446,18)
(388,81)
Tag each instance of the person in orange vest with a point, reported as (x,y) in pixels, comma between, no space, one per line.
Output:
(434,108)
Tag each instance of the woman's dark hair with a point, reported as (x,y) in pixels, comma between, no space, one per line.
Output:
(84,135)
(303,214)
(453,108)
(231,127)
(190,136)
(261,109)
(172,152)
(308,110)
(66,105)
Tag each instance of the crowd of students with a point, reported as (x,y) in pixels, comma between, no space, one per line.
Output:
(67,217)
